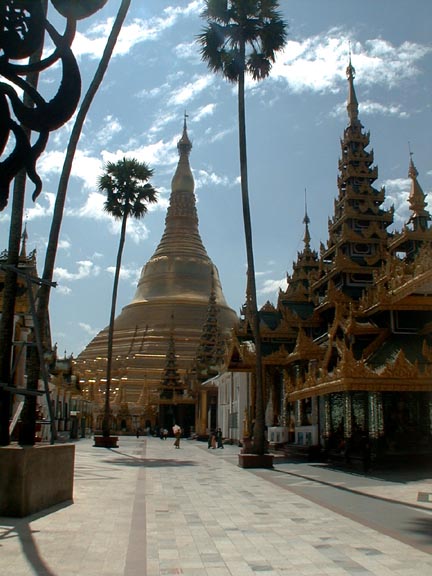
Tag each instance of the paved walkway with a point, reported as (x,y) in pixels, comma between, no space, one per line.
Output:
(147,509)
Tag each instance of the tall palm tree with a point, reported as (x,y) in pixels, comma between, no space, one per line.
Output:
(128,193)
(27,435)
(243,36)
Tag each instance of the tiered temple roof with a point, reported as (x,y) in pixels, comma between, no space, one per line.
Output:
(359,315)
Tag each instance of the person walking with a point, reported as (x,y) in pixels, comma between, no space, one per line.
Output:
(219,438)
(177,434)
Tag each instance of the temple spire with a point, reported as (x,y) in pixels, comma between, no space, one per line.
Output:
(306,222)
(181,233)
(24,238)
(352,103)
(417,199)
(171,382)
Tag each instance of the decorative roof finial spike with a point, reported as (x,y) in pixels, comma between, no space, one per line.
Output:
(352,103)
(24,238)
(306,221)
(417,199)
(412,170)
(184,145)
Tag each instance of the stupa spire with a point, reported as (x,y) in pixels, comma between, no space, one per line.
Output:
(181,223)
(184,145)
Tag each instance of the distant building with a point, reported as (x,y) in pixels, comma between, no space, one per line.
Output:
(348,347)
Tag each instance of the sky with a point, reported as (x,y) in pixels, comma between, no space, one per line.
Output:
(295,120)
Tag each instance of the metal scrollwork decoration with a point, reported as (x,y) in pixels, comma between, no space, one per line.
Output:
(23,110)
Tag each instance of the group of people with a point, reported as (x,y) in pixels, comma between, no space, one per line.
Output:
(215,439)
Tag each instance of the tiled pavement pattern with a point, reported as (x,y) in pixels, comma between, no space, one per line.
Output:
(147,509)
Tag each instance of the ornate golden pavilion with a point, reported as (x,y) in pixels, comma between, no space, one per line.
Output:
(348,347)
(163,347)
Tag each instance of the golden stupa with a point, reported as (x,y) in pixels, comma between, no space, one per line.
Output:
(162,327)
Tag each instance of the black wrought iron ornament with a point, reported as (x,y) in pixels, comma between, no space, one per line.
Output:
(23,110)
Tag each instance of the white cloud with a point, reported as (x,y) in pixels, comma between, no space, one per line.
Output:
(397,191)
(161,120)
(86,328)
(221,134)
(207,110)
(85,167)
(318,63)
(92,42)
(40,210)
(188,51)
(154,92)
(137,231)
(92,208)
(130,274)
(153,154)
(86,268)
(188,92)
(62,289)
(64,244)
(272,286)
(110,129)
(368,107)
(204,179)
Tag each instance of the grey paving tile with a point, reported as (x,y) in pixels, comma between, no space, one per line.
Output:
(208,519)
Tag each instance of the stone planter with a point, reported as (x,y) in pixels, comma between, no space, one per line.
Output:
(105,441)
(255,460)
(33,478)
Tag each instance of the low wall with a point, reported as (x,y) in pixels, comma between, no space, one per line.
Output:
(35,477)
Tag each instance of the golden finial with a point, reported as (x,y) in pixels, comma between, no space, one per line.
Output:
(184,145)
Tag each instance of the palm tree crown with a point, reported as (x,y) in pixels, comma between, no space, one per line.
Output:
(242,36)
(126,194)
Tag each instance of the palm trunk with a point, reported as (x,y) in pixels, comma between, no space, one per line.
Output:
(106,418)
(44,291)
(258,440)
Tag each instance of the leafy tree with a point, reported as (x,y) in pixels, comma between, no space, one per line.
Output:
(242,37)
(128,193)
(28,427)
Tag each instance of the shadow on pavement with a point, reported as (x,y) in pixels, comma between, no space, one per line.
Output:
(129,460)
(20,528)
(400,474)
(422,526)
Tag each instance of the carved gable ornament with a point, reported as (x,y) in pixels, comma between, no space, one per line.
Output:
(401,367)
